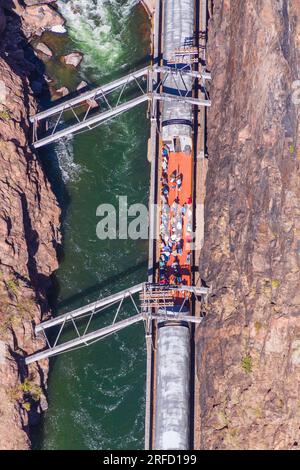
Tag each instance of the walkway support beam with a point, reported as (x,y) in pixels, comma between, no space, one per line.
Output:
(88,123)
(124,294)
(105,89)
(84,340)
(89,308)
(107,115)
(183,99)
(89,95)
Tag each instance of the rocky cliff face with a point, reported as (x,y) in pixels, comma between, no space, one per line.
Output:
(249,344)
(29,222)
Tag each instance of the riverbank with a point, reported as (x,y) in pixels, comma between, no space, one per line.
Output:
(29,228)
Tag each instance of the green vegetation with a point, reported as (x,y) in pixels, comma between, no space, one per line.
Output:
(14,311)
(4,115)
(233,432)
(258,326)
(12,286)
(275,283)
(26,391)
(29,388)
(269,286)
(25,309)
(223,421)
(246,363)
(258,412)
(8,315)
(292,149)
(26,405)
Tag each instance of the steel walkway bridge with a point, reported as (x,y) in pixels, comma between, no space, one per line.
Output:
(93,108)
(153,303)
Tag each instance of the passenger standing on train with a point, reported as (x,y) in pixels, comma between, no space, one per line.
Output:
(164,180)
(179,248)
(174,206)
(164,200)
(164,164)
(173,176)
(165,190)
(179,181)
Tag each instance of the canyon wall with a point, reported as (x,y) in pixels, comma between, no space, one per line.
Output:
(249,343)
(29,223)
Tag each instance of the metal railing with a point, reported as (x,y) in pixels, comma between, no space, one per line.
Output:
(93,108)
(150,309)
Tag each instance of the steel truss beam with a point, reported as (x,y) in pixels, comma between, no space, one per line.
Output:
(84,340)
(124,294)
(91,122)
(107,100)
(90,310)
(90,95)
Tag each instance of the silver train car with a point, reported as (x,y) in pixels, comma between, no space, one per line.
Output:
(178,30)
(172,421)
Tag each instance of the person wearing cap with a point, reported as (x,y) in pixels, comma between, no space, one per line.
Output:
(179,181)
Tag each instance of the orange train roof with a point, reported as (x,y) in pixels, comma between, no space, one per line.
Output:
(182,163)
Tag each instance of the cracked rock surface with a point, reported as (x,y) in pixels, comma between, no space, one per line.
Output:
(249,344)
(29,235)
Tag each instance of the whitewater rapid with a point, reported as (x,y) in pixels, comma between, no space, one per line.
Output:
(97,27)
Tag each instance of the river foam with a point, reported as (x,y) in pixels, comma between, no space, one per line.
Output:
(70,170)
(96,26)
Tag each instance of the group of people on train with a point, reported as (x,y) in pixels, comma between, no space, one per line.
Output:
(171,226)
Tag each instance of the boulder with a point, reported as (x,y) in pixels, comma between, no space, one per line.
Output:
(42,47)
(60,29)
(81,85)
(92,103)
(37,2)
(74,58)
(42,17)
(63,91)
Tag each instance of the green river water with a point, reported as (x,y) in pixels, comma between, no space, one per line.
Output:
(96,394)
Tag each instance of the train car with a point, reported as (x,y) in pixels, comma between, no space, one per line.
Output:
(179,19)
(176,159)
(173,361)
(172,425)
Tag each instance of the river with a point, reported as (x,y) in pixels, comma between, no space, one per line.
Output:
(97,394)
